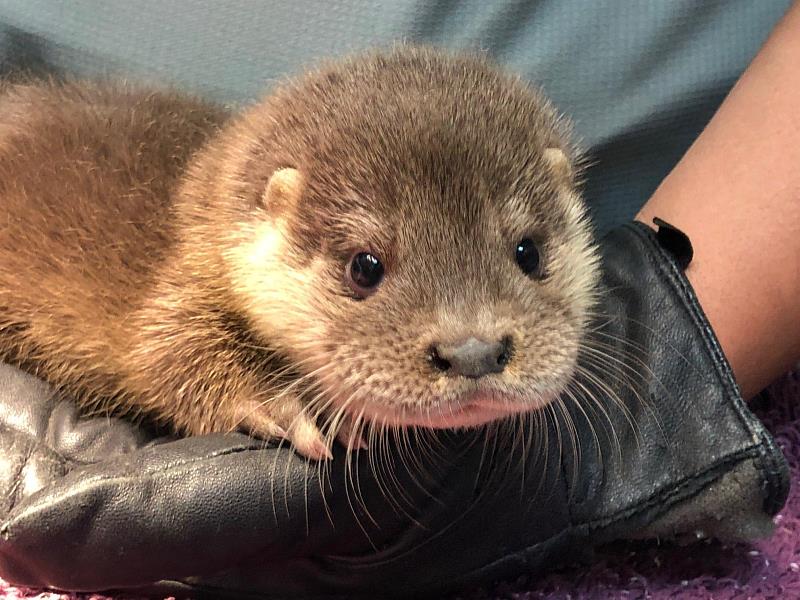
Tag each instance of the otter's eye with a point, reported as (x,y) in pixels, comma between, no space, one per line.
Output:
(528,258)
(365,273)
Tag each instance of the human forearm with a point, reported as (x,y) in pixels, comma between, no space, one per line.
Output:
(736,193)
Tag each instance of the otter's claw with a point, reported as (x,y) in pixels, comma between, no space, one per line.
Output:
(285,418)
(307,438)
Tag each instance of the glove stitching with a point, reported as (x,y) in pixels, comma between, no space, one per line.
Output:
(32,446)
(676,494)
(672,497)
(773,472)
(34,439)
(663,496)
(14,491)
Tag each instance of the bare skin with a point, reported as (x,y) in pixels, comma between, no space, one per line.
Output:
(736,193)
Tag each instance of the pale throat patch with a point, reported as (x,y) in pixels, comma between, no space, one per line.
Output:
(275,295)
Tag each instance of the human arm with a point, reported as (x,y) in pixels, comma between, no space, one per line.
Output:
(736,193)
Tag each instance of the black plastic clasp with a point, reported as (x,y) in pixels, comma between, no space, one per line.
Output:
(674,241)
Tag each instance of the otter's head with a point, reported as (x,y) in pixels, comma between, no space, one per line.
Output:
(407,230)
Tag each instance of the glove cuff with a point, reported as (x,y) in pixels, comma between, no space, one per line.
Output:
(718,472)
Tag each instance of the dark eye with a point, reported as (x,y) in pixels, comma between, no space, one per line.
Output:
(529,258)
(364,273)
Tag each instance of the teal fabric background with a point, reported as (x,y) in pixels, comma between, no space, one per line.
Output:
(639,78)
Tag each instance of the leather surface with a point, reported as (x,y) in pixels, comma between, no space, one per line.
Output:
(96,505)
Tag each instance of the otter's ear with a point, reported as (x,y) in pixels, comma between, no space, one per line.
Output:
(283,191)
(558,162)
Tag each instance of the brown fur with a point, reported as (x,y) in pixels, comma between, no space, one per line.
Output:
(146,264)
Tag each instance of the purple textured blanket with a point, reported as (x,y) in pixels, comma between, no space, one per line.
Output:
(648,570)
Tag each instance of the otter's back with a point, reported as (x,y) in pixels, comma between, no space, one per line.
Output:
(86,174)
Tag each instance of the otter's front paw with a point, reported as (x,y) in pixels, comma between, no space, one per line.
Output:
(284,417)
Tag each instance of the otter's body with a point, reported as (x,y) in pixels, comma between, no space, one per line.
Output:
(391,239)
(88,174)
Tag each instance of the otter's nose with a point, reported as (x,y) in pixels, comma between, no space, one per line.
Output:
(472,358)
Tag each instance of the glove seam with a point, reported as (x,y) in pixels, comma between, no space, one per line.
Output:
(95,479)
(663,495)
(583,529)
(674,495)
(34,444)
(30,436)
(14,491)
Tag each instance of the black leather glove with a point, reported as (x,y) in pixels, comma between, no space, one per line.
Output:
(653,440)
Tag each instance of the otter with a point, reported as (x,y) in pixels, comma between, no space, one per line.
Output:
(394,239)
